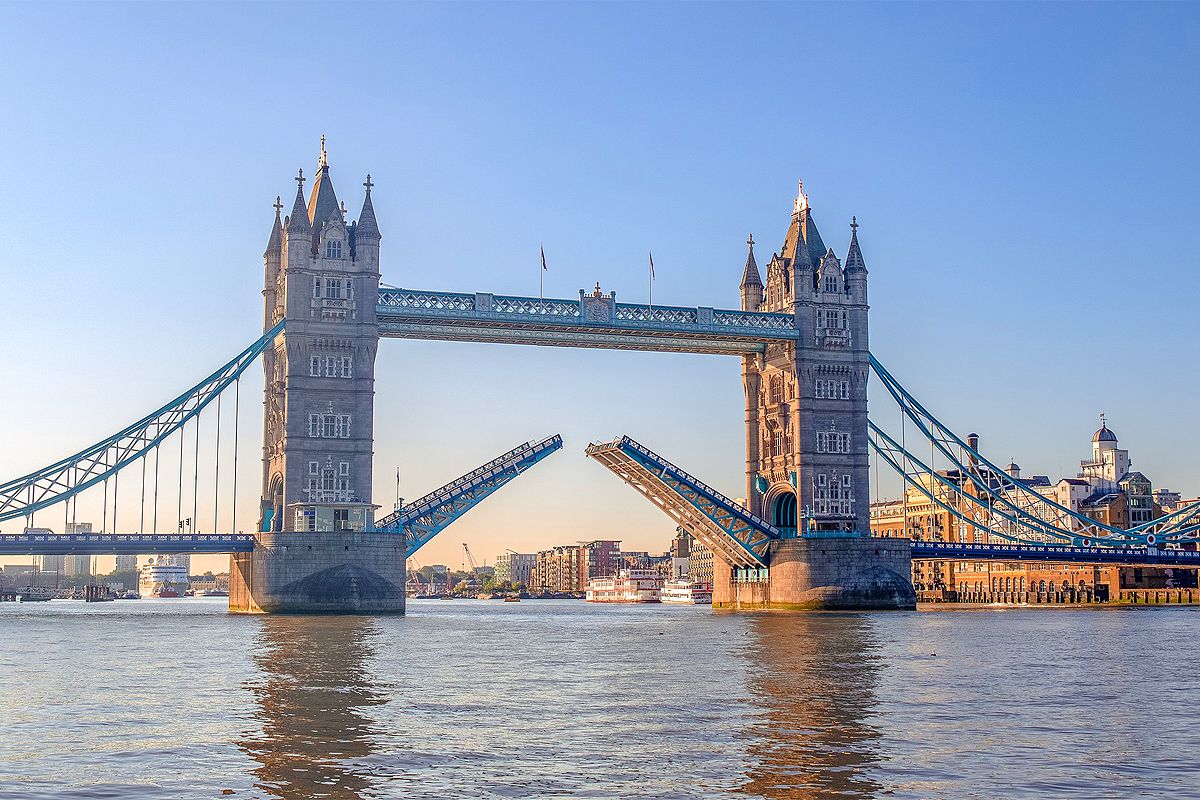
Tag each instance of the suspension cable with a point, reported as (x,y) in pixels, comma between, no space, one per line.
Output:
(154,524)
(179,497)
(217,470)
(237,408)
(142,510)
(195,476)
(104,511)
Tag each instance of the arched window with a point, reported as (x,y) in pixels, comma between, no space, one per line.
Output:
(776,395)
(1041,586)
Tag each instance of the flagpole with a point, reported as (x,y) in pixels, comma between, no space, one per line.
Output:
(651,281)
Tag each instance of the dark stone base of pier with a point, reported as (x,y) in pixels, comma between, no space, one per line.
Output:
(824,573)
(346,572)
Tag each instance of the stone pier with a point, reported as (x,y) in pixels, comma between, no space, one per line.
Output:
(345,572)
(823,573)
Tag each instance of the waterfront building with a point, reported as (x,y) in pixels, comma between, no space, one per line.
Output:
(126,564)
(1168,500)
(558,570)
(55,564)
(514,568)
(1106,490)
(599,558)
(700,563)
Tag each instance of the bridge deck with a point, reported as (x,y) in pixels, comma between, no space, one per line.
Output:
(428,516)
(588,321)
(1132,556)
(723,525)
(110,544)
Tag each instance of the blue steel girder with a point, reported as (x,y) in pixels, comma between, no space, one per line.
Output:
(588,321)
(73,474)
(739,538)
(425,518)
(101,544)
(1129,556)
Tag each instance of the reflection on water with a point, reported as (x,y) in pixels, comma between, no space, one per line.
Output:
(314,693)
(813,679)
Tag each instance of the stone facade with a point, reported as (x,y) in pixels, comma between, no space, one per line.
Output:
(822,573)
(806,404)
(343,572)
(322,277)
(313,554)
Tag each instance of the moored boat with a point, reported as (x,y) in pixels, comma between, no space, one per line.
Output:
(627,586)
(682,591)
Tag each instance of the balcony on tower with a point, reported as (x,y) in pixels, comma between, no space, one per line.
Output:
(321,515)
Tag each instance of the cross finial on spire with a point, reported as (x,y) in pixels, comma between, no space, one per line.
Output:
(1103,422)
(854,224)
(323,160)
(367,183)
(299,179)
(343,209)
(278,206)
(750,241)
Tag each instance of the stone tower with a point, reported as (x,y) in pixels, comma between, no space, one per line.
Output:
(807,464)
(322,278)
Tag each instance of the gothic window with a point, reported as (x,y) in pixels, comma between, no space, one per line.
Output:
(777,444)
(333,289)
(316,287)
(776,389)
(830,283)
(331,367)
(313,468)
(833,442)
(329,426)
(347,367)
(343,468)
(820,388)
(333,248)
(844,390)
(314,366)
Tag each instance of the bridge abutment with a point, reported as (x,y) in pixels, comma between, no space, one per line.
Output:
(343,572)
(823,573)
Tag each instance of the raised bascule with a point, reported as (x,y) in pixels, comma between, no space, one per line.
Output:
(799,538)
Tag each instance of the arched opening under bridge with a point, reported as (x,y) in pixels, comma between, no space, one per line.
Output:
(784,511)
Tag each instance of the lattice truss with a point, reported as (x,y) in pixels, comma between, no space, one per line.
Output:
(988,502)
(66,478)
(725,527)
(425,518)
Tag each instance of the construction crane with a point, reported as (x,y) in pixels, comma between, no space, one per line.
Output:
(470,558)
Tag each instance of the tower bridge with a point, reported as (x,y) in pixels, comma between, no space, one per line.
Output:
(799,539)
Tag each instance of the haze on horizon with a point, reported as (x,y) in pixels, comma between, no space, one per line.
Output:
(1024,186)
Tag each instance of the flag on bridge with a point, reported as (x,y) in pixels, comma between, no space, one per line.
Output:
(651,266)
(543,249)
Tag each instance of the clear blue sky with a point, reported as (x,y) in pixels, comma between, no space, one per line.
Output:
(1025,177)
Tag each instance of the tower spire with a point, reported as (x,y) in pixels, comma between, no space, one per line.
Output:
(367,225)
(275,243)
(854,259)
(750,276)
(298,220)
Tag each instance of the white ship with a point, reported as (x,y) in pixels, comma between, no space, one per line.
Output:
(628,586)
(685,592)
(162,578)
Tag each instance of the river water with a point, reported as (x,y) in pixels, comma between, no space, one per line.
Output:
(547,699)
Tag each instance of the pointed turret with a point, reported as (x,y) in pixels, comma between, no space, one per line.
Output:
(364,235)
(323,202)
(750,276)
(275,243)
(856,267)
(367,224)
(854,259)
(752,285)
(298,220)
